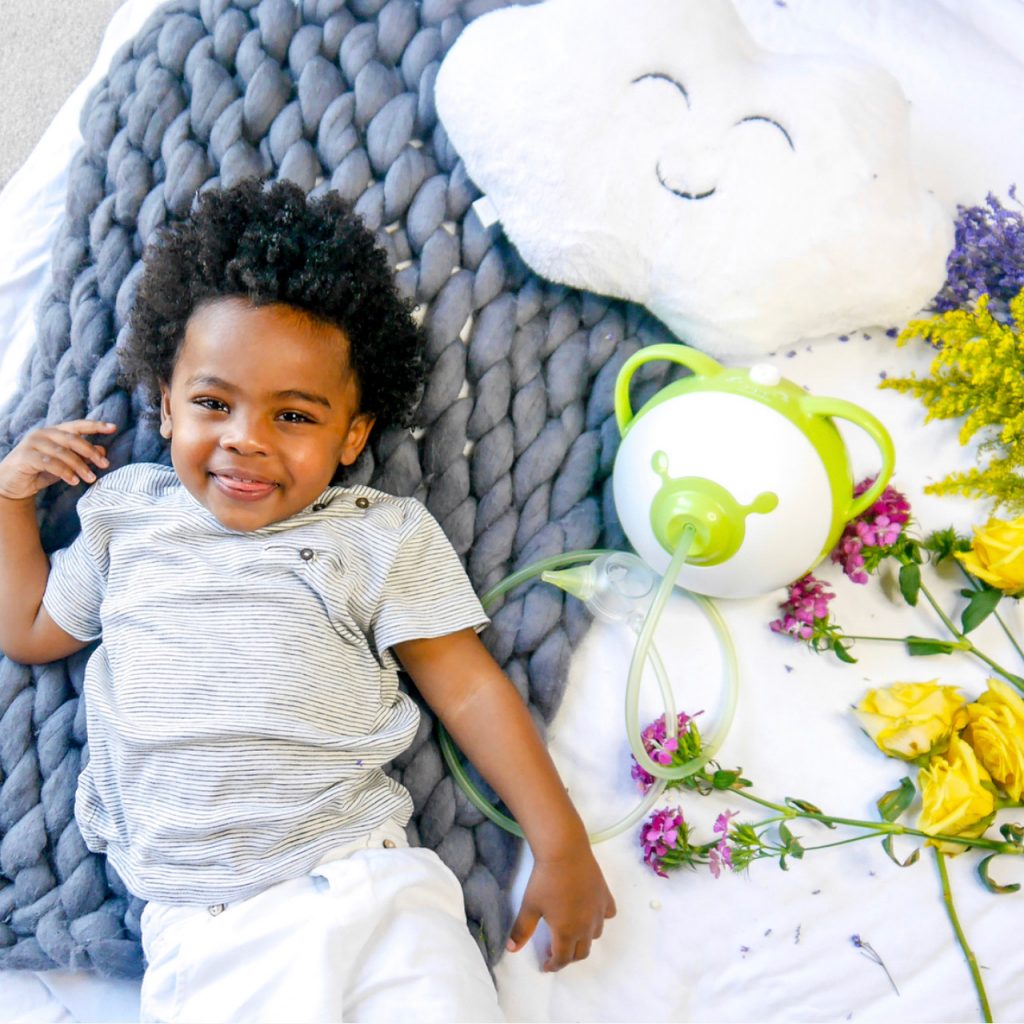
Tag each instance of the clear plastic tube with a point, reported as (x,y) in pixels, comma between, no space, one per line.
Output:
(644,652)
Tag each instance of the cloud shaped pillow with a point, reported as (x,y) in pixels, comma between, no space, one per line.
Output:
(650,150)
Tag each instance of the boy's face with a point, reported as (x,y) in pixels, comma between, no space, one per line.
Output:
(261,409)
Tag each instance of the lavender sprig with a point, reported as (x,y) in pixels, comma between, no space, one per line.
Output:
(987,256)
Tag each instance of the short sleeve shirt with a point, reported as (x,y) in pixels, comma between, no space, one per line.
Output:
(244,697)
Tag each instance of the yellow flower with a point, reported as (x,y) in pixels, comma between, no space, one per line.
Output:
(997,555)
(995,729)
(909,720)
(956,795)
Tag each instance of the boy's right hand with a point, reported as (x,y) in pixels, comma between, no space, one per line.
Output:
(48,454)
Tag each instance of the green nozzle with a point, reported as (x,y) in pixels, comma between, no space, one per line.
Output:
(718,519)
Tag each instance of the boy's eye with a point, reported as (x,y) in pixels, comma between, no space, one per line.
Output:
(291,416)
(213,404)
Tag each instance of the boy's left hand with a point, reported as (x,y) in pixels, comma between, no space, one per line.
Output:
(570,893)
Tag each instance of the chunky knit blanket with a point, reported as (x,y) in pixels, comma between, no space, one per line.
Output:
(517,429)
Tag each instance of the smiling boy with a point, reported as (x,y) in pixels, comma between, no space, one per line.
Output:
(252,613)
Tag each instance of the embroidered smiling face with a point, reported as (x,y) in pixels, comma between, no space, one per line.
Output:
(672,178)
(650,150)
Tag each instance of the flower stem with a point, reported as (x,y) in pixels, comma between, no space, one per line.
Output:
(969,647)
(881,639)
(844,842)
(880,827)
(972,962)
(946,620)
(1009,636)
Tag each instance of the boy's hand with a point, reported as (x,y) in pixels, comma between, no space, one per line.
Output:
(49,454)
(571,895)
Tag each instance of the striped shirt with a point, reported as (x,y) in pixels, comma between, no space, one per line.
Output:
(244,696)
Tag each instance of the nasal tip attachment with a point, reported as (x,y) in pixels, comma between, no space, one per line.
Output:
(718,519)
(616,587)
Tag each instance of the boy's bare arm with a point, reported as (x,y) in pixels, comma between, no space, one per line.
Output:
(490,723)
(27,633)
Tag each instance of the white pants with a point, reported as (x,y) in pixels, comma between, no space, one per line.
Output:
(375,933)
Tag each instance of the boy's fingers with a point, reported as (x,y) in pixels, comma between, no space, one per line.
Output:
(523,927)
(78,444)
(53,455)
(88,427)
(561,953)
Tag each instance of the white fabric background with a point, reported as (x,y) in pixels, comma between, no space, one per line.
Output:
(768,945)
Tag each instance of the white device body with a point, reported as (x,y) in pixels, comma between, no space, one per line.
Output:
(748,448)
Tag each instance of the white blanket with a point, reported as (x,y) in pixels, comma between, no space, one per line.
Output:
(768,945)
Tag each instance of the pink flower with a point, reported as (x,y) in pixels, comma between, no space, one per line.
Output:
(805,609)
(659,837)
(719,856)
(660,747)
(867,539)
(722,822)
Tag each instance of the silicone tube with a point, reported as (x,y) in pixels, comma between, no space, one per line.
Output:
(644,652)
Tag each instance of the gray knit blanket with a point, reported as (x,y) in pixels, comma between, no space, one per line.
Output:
(517,433)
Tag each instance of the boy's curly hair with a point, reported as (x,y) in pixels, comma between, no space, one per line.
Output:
(273,245)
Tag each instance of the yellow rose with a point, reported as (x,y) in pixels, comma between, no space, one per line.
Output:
(997,555)
(909,720)
(955,799)
(995,729)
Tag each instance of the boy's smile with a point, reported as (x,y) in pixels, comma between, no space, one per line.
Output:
(261,409)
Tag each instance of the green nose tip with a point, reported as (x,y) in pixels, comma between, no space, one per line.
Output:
(717,517)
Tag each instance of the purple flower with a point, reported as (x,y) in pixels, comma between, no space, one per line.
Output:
(719,856)
(661,747)
(805,610)
(870,537)
(722,822)
(987,256)
(660,836)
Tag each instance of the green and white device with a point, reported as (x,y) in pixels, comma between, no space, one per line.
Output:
(748,459)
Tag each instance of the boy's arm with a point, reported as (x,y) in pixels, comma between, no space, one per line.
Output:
(27,633)
(490,723)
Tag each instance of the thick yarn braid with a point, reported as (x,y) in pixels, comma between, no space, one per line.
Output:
(517,434)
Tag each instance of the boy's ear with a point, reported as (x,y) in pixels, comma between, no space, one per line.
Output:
(355,440)
(165,411)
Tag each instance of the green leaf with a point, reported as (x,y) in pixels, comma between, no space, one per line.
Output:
(887,846)
(987,880)
(910,582)
(981,605)
(842,653)
(785,835)
(892,804)
(1012,833)
(917,646)
(804,805)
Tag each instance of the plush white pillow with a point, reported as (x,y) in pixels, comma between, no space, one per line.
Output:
(650,150)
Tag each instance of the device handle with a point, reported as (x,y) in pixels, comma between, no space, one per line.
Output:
(839,409)
(697,362)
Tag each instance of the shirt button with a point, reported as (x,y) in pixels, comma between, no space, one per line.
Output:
(319,507)
(362,502)
(306,554)
(388,844)
(217,908)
